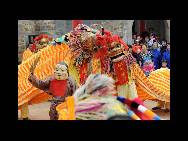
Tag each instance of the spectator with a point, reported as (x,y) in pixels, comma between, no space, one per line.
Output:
(146,61)
(156,55)
(133,38)
(138,38)
(164,63)
(157,40)
(136,47)
(150,42)
(146,41)
(136,50)
(166,55)
(164,46)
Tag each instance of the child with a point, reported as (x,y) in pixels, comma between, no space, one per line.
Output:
(166,55)
(164,64)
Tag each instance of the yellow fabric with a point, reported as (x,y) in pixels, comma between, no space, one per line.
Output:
(24,110)
(73,72)
(156,86)
(96,66)
(128,90)
(66,110)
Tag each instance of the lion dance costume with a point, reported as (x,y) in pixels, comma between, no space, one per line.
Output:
(90,51)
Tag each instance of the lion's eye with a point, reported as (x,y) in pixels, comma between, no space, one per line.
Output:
(118,45)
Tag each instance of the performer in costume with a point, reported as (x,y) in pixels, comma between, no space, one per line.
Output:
(98,51)
(60,85)
(115,62)
(40,42)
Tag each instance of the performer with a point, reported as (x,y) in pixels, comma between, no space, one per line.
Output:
(41,42)
(116,63)
(60,85)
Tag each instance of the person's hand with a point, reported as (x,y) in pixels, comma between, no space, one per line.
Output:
(33,66)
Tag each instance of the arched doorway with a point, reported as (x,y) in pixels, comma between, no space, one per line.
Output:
(159,27)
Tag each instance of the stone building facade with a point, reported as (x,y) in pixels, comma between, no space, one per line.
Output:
(56,28)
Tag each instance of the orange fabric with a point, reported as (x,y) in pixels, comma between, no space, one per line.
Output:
(26,54)
(156,86)
(40,98)
(49,57)
(96,65)
(66,110)
(143,95)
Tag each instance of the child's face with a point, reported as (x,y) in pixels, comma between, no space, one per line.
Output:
(164,64)
(168,47)
(138,38)
(155,45)
(163,43)
(146,39)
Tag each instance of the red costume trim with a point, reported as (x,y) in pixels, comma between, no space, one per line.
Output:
(120,69)
(83,72)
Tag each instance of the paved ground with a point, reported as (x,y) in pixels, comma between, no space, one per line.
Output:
(40,111)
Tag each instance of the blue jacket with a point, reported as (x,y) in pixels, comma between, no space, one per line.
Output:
(156,57)
(166,56)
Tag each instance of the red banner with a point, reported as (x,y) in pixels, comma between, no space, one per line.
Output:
(142,26)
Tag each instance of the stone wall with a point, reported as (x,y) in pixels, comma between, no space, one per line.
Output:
(25,28)
(56,28)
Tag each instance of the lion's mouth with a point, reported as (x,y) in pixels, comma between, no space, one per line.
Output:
(117,56)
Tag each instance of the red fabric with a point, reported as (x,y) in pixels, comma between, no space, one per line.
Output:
(33,48)
(116,38)
(83,73)
(142,26)
(107,38)
(121,72)
(38,38)
(58,87)
(76,22)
